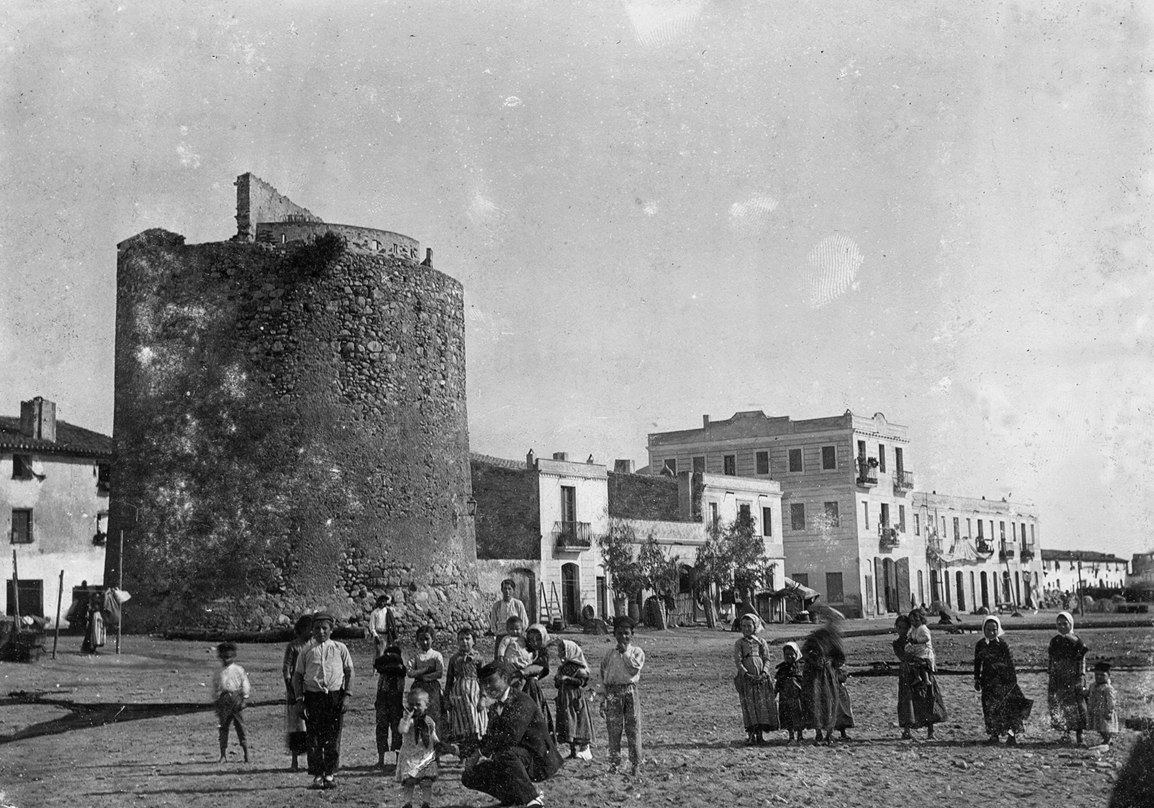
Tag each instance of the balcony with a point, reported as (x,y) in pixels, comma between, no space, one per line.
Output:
(888,537)
(1027,553)
(903,481)
(1007,552)
(984,547)
(867,471)
(572,536)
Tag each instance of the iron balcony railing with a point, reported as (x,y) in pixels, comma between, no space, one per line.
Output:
(867,471)
(1007,551)
(903,481)
(573,535)
(889,536)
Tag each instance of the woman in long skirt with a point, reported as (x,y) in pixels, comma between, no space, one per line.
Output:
(467,719)
(295,739)
(574,721)
(1004,706)
(753,681)
(1066,692)
(787,679)
(537,640)
(920,701)
(821,653)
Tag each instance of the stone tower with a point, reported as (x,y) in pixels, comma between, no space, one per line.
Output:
(290,426)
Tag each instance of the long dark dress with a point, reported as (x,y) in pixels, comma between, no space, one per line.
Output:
(295,736)
(1065,695)
(531,677)
(754,684)
(790,710)
(920,701)
(574,723)
(844,719)
(821,651)
(1004,706)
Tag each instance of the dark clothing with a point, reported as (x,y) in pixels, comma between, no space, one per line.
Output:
(1065,693)
(531,685)
(520,749)
(323,722)
(230,710)
(821,654)
(1004,706)
(390,703)
(790,710)
(920,701)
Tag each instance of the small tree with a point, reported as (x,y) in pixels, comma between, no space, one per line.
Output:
(712,571)
(625,574)
(747,554)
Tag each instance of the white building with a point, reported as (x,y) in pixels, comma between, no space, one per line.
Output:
(53,506)
(1064,569)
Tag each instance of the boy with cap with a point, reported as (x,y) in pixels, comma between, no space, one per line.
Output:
(323,677)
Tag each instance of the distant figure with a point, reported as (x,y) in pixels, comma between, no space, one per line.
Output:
(94,631)
(230,691)
(382,625)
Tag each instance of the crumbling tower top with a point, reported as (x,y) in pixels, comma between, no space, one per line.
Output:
(258,202)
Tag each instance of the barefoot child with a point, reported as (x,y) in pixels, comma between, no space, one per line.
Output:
(417,762)
(787,677)
(1103,703)
(467,719)
(620,672)
(390,703)
(230,690)
(753,682)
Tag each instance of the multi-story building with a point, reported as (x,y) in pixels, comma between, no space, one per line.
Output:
(1141,576)
(1071,570)
(53,506)
(537,522)
(846,484)
(981,553)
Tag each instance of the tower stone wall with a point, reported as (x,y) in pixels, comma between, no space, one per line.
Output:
(291,434)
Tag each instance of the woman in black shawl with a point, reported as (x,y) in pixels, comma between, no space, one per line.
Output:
(1004,706)
(821,654)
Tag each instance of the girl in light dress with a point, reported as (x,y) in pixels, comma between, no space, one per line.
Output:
(467,718)
(1103,707)
(417,761)
(753,681)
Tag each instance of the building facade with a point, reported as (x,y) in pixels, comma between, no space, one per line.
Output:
(54,481)
(981,553)
(1072,570)
(846,483)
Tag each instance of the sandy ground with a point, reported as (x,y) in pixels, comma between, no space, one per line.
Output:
(143,735)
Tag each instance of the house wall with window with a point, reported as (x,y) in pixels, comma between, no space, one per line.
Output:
(983,553)
(53,507)
(1063,569)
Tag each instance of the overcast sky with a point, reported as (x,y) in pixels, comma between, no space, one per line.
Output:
(936,210)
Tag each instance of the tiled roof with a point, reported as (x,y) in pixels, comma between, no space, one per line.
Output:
(70,440)
(489,460)
(1084,555)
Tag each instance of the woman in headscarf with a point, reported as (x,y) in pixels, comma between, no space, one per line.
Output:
(822,653)
(922,682)
(574,721)
(1004,707)
(537,640)
(753,682)
(295,737)
(788,680)
(1066,692)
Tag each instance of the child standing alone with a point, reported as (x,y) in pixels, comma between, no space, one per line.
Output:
(230,690)
(1103,708)
(417,763)
(620,672)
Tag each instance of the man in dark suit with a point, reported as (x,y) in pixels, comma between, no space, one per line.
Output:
(517,750)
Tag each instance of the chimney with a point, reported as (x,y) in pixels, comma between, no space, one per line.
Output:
(38,419)
(705,422)
(428,262)
(623,466)
(530,460)
(562,456)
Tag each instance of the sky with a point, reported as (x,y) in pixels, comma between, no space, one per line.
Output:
(935,210)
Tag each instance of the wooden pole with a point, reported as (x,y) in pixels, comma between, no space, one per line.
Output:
(120,585)
(16,588)
(59,600)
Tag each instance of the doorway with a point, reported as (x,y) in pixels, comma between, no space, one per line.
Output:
(571,593)
(526,591)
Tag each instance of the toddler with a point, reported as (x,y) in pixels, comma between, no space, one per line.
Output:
(1103,707)
(230,690)
(417,762)
(787,677)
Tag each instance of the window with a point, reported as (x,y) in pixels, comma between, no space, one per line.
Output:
(714,517)
(21,526)
(969,529)
(763,462)
(743,515)
(884,518)
(767,521)
(980,536)
(795,460)
(957,528)
(881,457)
(103,477)
(828,457)
(921,588)
(568,504)
(831,515)
(866,513)
(833,588)
(902,518)
(797,516)
(21,467)
(917,525)
(861,453)
(1002,530)
(899,461)
(699,463)
(801,578)
(1032,540)
(731,465)
(670,466)
(31,597)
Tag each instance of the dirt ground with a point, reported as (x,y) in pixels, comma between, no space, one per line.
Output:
(137,730)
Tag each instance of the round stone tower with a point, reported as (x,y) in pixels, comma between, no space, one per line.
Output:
(290,426)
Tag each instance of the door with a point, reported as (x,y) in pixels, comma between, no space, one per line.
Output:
(602,598)
(889,574)
(871,606)
(904,594)
(526,591)
(571,593)
(960,582)
(985,591)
